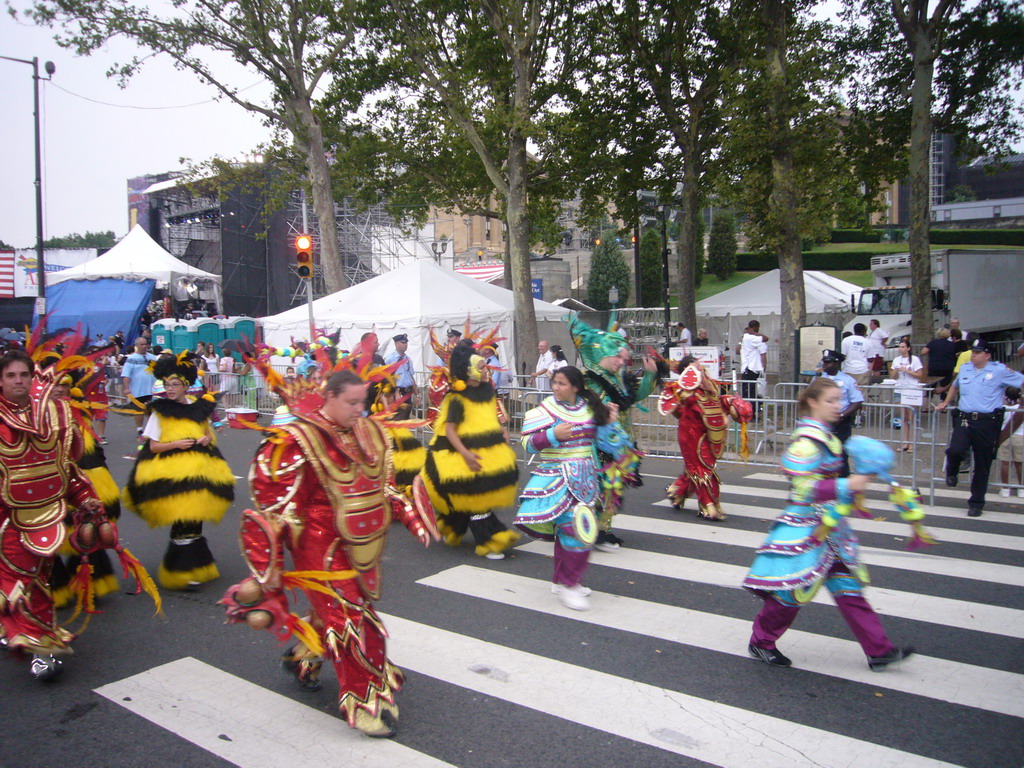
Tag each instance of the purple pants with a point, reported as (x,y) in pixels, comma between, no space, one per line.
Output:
(775,618)
(570,565)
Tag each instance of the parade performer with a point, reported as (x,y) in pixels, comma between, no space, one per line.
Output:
(605,354)
(702,409)
(558,501)
(471,469)
(811,542)
(40,484)
(82,384)
(180,478)
(323,488)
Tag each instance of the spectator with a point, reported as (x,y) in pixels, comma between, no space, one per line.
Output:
(684,335)
(1011,448)
(857,349)
(753,352)
(908,370)
(559,361)
(879,339)
(940,354)
(702,338)
(541,376)
(137,380)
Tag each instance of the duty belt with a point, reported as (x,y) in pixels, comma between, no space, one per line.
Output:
(977,416)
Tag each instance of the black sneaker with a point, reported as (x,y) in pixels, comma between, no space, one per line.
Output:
(770,656)
(607,542)
(951,480)
(973,511)
(878,663)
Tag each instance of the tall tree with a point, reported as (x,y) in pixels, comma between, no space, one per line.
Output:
(88,240)
(651,289)
(950,67)
(722,246)
(498,74)
(288,43)
(608,269)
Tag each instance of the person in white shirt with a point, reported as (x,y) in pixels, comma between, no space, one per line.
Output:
(685,337)
(879,339)
(541,375)
(908,370)
(752,349)
(857,349)
(559,361)
(1011,450)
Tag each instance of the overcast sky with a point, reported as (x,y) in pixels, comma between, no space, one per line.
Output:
(89,149)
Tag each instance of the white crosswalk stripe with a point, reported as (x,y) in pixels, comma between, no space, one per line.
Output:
(934,594)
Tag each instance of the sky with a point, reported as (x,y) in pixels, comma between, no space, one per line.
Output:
(90,150)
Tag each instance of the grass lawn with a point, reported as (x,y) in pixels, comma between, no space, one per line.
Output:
(712,285)
(861,277)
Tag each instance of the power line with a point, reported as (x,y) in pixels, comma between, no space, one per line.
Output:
(133,106)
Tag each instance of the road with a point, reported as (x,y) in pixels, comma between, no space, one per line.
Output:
(655,675)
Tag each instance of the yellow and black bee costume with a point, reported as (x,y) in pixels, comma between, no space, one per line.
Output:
(182,488)
(462,499)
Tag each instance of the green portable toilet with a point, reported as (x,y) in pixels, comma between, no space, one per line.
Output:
(162,331)
(184,336)
(241,328)
(209,332)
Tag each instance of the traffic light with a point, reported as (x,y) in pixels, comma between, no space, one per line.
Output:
(304,256)
(597,241)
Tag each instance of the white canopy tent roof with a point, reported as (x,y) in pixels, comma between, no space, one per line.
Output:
(410,300)
(725,315)
(139,257)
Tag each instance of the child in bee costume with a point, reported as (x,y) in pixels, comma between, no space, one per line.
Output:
(471,469)
(180,478)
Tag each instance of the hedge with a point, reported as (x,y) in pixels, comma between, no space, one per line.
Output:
(762,262)
(977,236)
(856,236)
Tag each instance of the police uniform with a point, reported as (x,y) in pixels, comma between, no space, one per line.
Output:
(405,380)
(848,393)
(977,421)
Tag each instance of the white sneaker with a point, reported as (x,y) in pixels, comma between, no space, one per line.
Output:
(495,555)
(1004,492)
(574,598)
(557,589)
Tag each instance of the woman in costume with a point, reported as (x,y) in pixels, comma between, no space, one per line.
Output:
(470,469)
(605,355)
(180,478)
(811,543)
(557,502)
(697,401)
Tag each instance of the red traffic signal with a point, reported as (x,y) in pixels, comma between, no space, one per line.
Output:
(304,256)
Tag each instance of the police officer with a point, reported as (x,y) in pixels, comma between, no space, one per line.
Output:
(405,374)
(981,386)
(850,398)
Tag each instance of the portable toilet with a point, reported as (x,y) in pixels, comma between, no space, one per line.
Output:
(162,331)
(209,331)
(242,329)
(184,336)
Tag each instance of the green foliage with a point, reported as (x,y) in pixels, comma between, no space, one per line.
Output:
(5,247)
(607,268)
(651,271)
(856,236)
(763,262)
(961,193)
(722,246)
(88,240)
(977,237)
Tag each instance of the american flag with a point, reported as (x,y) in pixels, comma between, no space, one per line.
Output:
(6,274)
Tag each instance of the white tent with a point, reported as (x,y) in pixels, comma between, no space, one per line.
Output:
(725,314)
(410,300)
(139,257)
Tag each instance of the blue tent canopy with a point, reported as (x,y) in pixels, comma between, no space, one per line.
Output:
(102,306)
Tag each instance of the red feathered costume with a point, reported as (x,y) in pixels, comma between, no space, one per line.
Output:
(702,409)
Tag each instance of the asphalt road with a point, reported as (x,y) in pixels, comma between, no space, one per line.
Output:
(500,674)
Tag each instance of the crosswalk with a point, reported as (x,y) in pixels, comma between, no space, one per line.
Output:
(656,672)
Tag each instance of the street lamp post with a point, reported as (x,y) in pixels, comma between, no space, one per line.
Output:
(40,262)
(439,248)
(613,296)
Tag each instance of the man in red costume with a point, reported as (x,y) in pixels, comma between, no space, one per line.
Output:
(39,482)
(703,410)
(323,488)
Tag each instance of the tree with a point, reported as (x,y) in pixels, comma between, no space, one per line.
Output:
(496,74)
(961,193)
(88,240)
(5,247)
(290,45)
(722,246)
(951,68)
(651,270)
(608,268)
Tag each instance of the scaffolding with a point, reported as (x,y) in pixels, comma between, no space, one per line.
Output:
(937,171)
(191,226)
(370,241)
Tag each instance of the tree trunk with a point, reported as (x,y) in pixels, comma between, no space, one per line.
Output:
(920,192)
(519,252)
(312,146)
(687,246)
(782,202)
